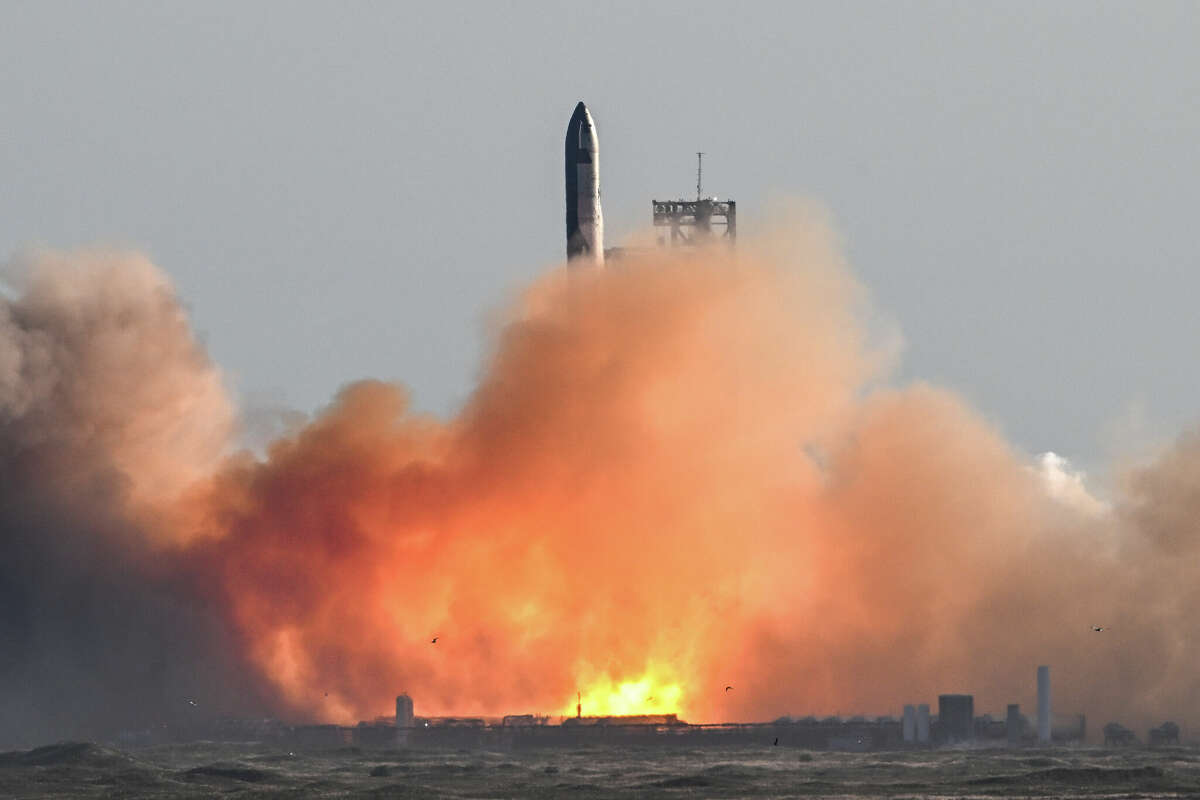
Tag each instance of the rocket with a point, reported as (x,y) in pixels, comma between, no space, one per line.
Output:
(585,222)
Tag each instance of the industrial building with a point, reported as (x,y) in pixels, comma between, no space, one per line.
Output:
(956,714)
(956,724)
(1014,725)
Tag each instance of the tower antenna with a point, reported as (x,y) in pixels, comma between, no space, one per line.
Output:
(699,173)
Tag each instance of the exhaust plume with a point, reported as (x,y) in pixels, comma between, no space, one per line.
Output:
(682,473)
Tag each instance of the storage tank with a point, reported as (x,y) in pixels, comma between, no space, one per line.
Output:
(923,723)
(404,711)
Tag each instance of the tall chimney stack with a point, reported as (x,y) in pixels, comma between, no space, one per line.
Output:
(1043,700)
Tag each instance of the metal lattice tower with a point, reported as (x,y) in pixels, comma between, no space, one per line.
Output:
(691,221)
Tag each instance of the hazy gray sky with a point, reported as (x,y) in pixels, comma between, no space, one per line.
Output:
(345,190)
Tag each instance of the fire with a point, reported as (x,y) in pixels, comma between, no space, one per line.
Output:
(649,694)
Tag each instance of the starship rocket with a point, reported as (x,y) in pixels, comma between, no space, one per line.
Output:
(585,222)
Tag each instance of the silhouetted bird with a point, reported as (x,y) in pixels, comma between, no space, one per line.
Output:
(434,640)
(777,740)
(727,688)
(1098,628)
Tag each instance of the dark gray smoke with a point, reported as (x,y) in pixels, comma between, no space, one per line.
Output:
(108,410)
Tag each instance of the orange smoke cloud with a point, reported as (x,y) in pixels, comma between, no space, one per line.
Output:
(676,474)
(681,473)
(593,520)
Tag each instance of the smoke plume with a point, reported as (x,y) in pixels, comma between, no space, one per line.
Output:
(682,472)
(109,412)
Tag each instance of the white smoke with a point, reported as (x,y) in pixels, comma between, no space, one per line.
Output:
(1067,486)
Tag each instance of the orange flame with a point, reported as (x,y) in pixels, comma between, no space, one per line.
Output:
(647,695)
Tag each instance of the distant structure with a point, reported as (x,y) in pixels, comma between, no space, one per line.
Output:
(1068,728)
(910,725)
(1117,735)
(955,725)
(1167,733)
(1043,700)
(1014,725)
(691,221)
(956,716)
(404,712)
(923,723)
(524,720)
(639,720)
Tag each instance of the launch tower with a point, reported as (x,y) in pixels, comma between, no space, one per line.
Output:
(691,221)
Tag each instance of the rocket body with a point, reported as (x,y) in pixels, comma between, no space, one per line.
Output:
(585,222)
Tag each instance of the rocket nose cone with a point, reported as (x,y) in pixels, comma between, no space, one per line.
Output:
(582,130)
(581,136)
(582,116)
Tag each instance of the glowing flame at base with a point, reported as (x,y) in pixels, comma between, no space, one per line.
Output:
(650,694)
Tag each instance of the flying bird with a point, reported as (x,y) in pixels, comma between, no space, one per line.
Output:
(776,740)
(191,702)
(727,688)
(434,640)
(1099,628)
